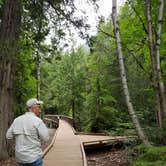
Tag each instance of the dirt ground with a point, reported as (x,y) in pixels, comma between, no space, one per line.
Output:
(112,157)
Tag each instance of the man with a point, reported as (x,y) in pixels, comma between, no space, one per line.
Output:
(29,131)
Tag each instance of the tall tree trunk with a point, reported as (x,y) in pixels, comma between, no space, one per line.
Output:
(38,42)
(123,76)
(98,105)
(38,75)
(9,36)
(73,111)
(153,61)
(157,47)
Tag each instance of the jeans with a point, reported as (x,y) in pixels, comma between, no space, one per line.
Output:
(38,162)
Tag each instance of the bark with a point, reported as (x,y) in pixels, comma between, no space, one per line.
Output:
(38,76)
(151,44)
(9,36)
(124,78)
(38,56)
(157,47)
(98,105)
(73,111)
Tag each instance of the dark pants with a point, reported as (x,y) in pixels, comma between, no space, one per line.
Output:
(38,162)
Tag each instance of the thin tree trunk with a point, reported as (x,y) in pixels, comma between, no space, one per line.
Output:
(153,61)
(98,103)
(123,76)
(157,47)
(38,75)
(73,111)
(9,36)
(38,56)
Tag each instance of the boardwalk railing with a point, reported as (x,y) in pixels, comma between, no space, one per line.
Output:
(67,119)
(52,121)
(85,163)
(114,140)
(49,119)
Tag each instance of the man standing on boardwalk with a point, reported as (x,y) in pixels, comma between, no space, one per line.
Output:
(29,131)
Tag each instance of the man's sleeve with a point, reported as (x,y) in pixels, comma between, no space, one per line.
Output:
(9,134)
(43,132)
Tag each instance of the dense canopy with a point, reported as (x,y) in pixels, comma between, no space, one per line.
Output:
(116,86)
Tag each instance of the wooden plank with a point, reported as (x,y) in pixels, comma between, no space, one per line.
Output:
(94,139)
(66,150)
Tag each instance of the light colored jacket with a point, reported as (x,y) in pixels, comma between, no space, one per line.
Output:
(28,131)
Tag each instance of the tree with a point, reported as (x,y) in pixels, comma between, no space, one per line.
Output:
(123,76)
(154,47)
(10,32)
(158,63)
(99,103)
(9,37)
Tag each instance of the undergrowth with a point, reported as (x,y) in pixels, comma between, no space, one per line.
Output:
(148,156)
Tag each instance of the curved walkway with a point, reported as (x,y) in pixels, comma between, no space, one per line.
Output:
(66,150)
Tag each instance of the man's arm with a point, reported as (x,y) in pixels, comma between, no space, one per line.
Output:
(43,132)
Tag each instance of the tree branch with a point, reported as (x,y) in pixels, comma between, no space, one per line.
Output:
(138,15)
(106,33)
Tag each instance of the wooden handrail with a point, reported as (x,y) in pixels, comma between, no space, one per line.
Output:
(57,117)
(83,154)
(85,133)
(108,140)
(52,120)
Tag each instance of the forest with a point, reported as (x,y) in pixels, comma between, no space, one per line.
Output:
(116,85)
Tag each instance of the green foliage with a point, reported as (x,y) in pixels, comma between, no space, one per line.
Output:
(87,85)
(149,156)
(25,82)
(34,30)
(1,2)
(99,100)
(145,163)
(137,60)
(66,81)
(84,80)
(123,129)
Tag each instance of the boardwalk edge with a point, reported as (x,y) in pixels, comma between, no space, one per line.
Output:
(85,163)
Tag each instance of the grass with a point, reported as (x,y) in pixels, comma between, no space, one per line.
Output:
(149,156)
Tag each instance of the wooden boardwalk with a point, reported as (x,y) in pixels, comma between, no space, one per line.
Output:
(66,150)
